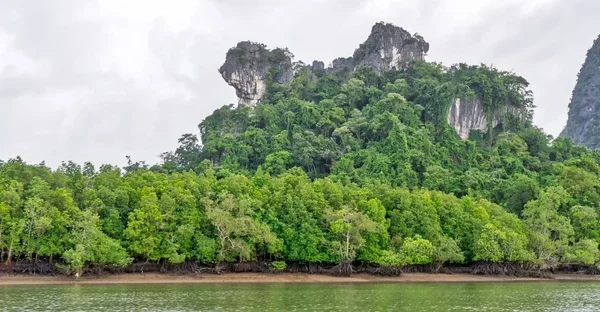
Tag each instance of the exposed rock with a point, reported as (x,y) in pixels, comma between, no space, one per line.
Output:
(583,124)
(389,47)
(248,65)
(318,70)
(465,115)
(317,65)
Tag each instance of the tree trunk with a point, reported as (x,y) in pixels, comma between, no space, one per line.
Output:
(347,245)
(9,255)
(222,240)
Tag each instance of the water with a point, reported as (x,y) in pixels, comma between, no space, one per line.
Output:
(514,296)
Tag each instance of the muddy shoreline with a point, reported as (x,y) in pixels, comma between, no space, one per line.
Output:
(28,272)
(166,278)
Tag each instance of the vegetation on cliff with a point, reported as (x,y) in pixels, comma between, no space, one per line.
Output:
(324,171)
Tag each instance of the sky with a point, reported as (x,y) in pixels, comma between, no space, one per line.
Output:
(99,80)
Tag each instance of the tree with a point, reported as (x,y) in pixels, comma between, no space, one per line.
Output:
(416,250)
(447,251)
(549,232)
(585,223)
(437,178)
(520,190)
(583,252)
(187,155)
(90,245)
(487,246)
(144,226)
(238,234)
(348,227)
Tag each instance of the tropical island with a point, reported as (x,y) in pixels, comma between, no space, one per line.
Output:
(380,163)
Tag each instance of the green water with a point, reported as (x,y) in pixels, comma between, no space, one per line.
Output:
(521,296)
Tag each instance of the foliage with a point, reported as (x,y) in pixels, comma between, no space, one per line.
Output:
(330,170)
(278,266)
(416,250)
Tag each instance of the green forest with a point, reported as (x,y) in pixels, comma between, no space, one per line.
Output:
(330,168)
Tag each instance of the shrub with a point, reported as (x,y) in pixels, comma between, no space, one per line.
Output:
(278,266)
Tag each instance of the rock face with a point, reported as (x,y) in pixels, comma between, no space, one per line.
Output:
(583,124)
(248,65)
(465,115)
(317,65)
(389,47)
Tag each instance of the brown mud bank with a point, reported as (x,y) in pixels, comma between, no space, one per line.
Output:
(165,278)
(262,272)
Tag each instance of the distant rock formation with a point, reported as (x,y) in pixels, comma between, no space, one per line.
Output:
(248,64)
(583,124)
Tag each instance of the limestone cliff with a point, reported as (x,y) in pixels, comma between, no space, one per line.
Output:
(465,115)
(248,66)
(583,124)
(389,47)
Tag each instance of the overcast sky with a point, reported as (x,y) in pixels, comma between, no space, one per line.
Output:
(98,80)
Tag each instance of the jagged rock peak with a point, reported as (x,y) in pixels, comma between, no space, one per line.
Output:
(389,46)
(317,65)
(583,124)
(247,66)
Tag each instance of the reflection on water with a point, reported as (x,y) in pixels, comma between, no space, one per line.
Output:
(521,296)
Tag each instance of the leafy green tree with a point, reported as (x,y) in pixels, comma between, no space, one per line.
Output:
(519,191)
(549,232)
(91,245)
(585,223)
(583,252)
(238,234)
(447,251)
(487,246)
(348,227)
(416,250)
(144,226)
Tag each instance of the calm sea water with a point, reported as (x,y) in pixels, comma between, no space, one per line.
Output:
(517,296)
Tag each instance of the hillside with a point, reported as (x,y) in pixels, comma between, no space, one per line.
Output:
(380,160)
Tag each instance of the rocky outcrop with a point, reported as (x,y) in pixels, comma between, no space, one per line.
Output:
(583,124)
(249,65)
(465,115)
(390,47)
(317,66)
(387,47)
